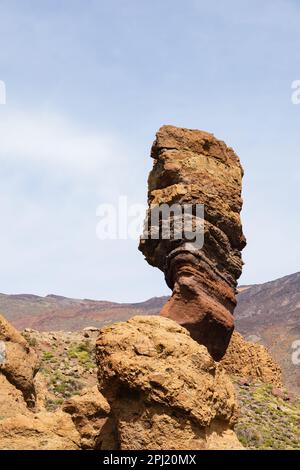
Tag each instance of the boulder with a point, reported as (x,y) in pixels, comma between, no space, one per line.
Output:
(89,412)
(164,389)
(11,399)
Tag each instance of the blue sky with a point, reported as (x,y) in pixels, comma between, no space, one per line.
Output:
(88,85)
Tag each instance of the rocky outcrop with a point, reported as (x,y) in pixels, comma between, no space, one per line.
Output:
(164,389)
(192,168)
(18,362)
(25,424)
(42,431)
(89,412)
(251,361)
(82,423)
(11,399)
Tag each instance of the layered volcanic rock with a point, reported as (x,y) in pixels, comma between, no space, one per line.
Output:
(164,389)
(192,167)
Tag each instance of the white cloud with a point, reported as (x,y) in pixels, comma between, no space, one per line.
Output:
(52,140)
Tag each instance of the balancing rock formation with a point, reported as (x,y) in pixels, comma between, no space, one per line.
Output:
(164,389)
(193,167)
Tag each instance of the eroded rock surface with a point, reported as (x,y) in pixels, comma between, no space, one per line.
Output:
(251,361)
(89,412)
(25,424)
(193,167)
(42,431)
(164,389)
(18,362)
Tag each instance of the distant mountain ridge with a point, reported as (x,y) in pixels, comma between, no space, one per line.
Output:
(275,298)
(270,313)
(54,312)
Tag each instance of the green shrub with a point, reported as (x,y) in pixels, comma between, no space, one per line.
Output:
(80,351)
(47,356)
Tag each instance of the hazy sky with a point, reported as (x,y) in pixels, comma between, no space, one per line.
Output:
(89,82)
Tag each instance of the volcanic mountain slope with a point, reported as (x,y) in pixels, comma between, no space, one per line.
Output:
(259,307)
(52,313)
(270,314)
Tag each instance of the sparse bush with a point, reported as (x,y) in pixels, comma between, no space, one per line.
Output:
(80,351)
(52,405)
(47,356)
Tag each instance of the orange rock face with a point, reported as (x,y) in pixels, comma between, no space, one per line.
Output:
(193,168)
(164,390)
(251,361)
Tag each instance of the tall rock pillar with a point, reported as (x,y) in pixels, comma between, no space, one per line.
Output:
(193,168)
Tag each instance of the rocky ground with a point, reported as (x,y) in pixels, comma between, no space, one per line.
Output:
(67,362)
(269,418)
